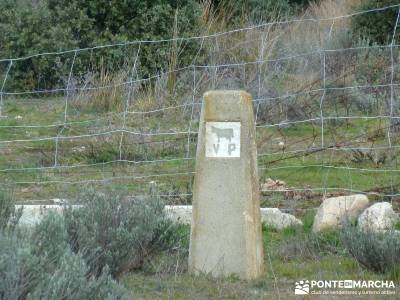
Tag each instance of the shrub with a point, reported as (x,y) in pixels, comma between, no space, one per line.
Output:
(376,251)
(42,266)
(111,229)
(49,239)
(175,259)
(9,216)
(73,256)
(30,27)
(69,281)
(377,26)
(15,259)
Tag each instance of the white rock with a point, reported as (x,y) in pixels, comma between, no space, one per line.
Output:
(269,216)
(179,213)
(334,211)
(32,214)
(275,218)
(379,216)
(18,117)
(59,201)
(78,149)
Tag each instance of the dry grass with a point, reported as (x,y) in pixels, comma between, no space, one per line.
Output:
(261,44)
(109,97)
(331,8)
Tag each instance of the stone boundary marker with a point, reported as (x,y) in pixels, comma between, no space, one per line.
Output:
(226,233)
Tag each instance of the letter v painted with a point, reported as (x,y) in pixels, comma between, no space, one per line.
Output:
(216,148)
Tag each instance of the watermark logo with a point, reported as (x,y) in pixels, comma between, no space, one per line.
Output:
(344,287)
(302,287)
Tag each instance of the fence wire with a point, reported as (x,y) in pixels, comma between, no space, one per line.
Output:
(326,113)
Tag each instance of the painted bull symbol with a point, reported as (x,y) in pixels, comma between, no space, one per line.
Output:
(226,133)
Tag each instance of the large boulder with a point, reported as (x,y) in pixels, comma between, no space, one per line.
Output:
(379,216)
(334,211)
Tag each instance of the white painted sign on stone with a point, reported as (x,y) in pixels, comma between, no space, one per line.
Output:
(226,235)
(223,139)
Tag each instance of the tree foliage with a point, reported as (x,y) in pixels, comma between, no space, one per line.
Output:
(377,26)
(30,27)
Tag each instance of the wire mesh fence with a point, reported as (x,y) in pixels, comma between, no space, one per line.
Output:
(326,110)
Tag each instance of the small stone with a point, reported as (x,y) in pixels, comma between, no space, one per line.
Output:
(59,201)
(78,149)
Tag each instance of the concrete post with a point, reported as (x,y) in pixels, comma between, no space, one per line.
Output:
(226,233)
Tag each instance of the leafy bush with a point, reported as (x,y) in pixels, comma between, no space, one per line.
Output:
(376,251)
(9,216)
(175,259)
(111,229)
(41,266)
(49,237)
(69,281)
(15,257)
(75,255)
(377,26)
(30,27)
